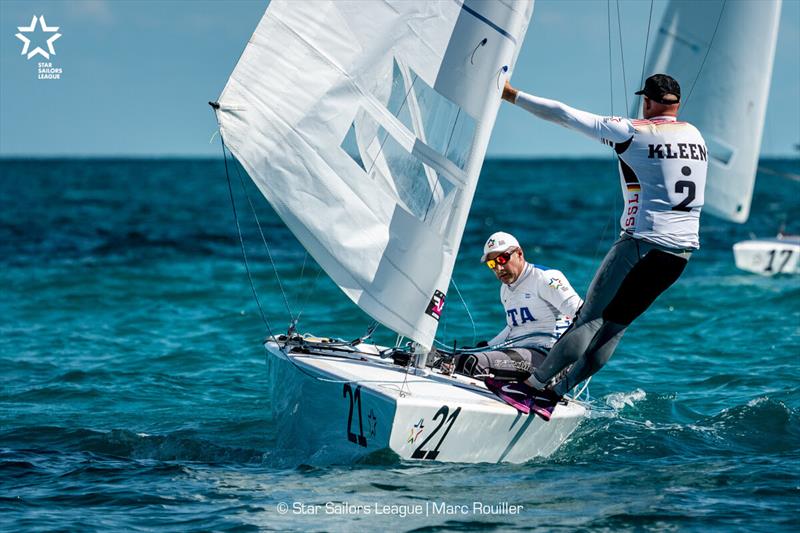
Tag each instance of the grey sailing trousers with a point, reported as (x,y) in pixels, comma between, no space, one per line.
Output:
(507,361)
(630,278)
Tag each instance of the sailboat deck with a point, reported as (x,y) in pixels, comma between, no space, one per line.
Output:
(403,386)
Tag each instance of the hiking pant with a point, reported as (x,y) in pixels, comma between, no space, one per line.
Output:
(503,363)
(631,276)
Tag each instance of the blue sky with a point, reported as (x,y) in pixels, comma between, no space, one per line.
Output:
(137,75)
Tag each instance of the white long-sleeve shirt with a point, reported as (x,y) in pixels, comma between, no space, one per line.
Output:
(662,168)
(540,302)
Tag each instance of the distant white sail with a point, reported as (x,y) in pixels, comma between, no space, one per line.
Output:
(365,125)
(729,100)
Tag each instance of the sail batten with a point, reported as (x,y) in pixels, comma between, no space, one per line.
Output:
(365,124)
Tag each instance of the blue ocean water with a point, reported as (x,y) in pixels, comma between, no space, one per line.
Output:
(134,394)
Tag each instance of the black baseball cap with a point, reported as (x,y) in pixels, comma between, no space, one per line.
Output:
(657,86)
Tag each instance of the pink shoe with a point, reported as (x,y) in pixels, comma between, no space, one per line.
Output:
(544,403)
(517,395)
(544,409)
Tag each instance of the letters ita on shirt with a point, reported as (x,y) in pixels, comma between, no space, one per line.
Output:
(541,303)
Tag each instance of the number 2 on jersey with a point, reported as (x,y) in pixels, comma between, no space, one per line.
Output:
(689,188)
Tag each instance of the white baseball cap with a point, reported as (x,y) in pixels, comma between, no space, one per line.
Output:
(499,242)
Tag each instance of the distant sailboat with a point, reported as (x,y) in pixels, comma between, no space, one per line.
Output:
(365,125)
(768,257)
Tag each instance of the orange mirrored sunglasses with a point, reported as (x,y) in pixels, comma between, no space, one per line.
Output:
(501,259)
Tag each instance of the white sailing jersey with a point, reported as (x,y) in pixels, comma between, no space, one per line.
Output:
(662,163)
(541,302)
(662,171)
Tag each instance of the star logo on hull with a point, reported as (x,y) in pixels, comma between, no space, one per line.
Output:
(26,42)
(416,431)
(373,423)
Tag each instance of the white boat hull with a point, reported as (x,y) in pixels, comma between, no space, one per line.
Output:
(340,408)
(768,256)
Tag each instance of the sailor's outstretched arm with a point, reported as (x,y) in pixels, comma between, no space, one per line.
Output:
(604,129)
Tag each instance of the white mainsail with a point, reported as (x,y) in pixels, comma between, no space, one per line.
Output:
(728,47)
(365,125)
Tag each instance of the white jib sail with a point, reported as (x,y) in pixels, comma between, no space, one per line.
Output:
(365,125)
(729,99)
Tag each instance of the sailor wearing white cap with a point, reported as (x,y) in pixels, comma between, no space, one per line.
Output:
(539,303)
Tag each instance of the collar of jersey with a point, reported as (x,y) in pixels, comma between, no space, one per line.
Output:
(669,118)
(525,273)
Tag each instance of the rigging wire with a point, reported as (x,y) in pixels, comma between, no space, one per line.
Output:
(250,277)
(443,324)
(708,49)
(300,281)
(308,295)
(622,59)
(241,240)
(609,220)
(264,240)
(646,43)
(303,268)
(466,308)
(610,73)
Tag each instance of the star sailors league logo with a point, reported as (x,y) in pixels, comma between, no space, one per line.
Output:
(31,38)
(436,305)
(27,42)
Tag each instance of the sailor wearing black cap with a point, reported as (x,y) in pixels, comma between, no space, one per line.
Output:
(662,165)
(661,89)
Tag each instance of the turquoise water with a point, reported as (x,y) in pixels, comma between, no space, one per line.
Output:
(134,394)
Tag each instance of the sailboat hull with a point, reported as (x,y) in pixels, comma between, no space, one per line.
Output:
(768,256)
(339,407)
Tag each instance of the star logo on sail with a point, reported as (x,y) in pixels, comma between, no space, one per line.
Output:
(436,305)
(373,423)
(26,42)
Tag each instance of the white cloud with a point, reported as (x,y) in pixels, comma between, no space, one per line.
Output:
(97,10)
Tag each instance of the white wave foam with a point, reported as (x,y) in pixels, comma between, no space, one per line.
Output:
(756,401)
(620,400)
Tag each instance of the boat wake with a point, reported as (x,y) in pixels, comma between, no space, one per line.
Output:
(620,400)
(663,426)
(620,424)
